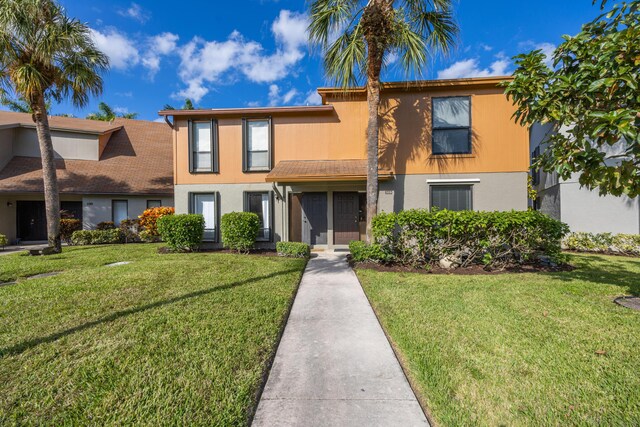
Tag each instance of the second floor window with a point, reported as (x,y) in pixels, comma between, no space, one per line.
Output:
(203,146)
(451,128)
(257,145)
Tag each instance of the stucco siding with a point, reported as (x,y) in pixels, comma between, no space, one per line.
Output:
(66,145)
(96,209)
(6,146)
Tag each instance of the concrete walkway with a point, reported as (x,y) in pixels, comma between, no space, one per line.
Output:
(334,365)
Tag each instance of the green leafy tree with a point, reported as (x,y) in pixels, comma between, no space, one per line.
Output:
(188,105)
(45,54)
(592,99)
(107,114)
(20,105)
(368,32)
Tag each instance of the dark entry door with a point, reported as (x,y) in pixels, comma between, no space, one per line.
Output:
(314,218)
(32,222)
(346,207)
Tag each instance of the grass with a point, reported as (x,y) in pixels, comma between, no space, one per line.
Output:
(518,349)
(167,339)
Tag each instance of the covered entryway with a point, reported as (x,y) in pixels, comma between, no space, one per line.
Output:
(32,220)
(346,214)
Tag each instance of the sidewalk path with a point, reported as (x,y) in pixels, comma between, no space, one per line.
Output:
(334,365)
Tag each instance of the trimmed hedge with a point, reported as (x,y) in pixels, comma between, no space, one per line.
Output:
(293,249)
(105,225)
(623,244)
(3,240)
(361,252)
(239,230)
(182,233)
(96,237)
(420,237)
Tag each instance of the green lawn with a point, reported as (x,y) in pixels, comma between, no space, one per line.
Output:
(518,349)
(180,339)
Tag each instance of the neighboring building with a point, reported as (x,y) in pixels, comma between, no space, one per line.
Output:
(106,171)
(303,169)
(580,208)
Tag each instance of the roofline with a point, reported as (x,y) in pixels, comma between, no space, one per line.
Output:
(249,111)
(472,82)
(88,193)
(62,129)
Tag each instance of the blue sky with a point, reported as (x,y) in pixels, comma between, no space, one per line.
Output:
(253,52)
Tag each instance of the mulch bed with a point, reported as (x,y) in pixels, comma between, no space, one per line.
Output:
(471,270)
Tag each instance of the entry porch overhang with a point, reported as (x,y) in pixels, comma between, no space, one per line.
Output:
(323,171)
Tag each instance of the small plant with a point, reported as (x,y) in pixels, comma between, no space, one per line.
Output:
(362,252)
(623,244)
(182,233)
(105,225)
(293,249)
(149,219)
(129,230)
(67,227)
(239,230)
(3,241)
(96,237)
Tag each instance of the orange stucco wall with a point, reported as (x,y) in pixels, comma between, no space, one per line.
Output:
(499,145)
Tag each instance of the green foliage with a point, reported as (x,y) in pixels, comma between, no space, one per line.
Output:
(148,236)
(97,237)
(182,233)
(239,230)
(624,244)
(419,237)
(363,252)
(129,229)
(593,92)
(107,114)
(67,227)
(293,249)
(105,225)
(3,240)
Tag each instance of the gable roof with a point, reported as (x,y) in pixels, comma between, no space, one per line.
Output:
(137,160)
(11,119)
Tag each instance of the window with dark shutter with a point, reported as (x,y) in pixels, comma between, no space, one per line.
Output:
(451,197)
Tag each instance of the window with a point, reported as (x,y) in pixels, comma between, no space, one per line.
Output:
(119,211)
(451,128)
(153,204)
(203,146)
(257,145)
(205,205)
(451,197)
(260,204)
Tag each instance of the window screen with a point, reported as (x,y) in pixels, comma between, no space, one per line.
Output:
(257,143)
(205,205)
(203,146)
(120,211)
(260,204)
(451,129)
(451,197)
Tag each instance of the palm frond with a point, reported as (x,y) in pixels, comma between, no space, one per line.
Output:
(344,60)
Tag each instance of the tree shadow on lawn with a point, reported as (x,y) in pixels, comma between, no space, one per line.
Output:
(26,345)
(589,269)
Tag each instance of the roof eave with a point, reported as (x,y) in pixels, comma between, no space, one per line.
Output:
(225,112)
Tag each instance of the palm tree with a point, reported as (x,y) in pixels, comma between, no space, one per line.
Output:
(368,32)
(188,105)
(106,114)
(20,105)
(45,54)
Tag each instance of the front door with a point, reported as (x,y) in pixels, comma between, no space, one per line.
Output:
(314,218)
(32,220)
(346,209)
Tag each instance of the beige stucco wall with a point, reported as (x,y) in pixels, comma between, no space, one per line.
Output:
(67,145)
(6,146)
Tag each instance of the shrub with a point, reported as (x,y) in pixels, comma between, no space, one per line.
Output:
(239,230)
(96,237)
(624,244)
(293,249)
(129,230)
(149,219)
(3,240)
(496,239)
(148,237)
(181,232)
(105,225)
(362,252)
(67,227)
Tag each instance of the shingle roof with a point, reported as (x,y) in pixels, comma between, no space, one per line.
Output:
(321,170)
(137,160)
(11,119)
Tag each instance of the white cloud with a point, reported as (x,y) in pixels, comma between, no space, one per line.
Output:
(205,62)
(118,47)
(546,48)
(274,94)
(160,45)
(276,99)
(486,47)
(313,98)
(471,68)
(288,97)
(135,11)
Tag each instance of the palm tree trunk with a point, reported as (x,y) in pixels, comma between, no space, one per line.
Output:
(51,195)
(373,102)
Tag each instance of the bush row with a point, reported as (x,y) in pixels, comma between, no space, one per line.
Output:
(623,244)
(239,230)
(97,237)
(496,239)
(293,249)
(3,240)
(182,233)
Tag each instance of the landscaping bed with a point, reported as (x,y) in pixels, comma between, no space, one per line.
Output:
(517,349)
(165,339)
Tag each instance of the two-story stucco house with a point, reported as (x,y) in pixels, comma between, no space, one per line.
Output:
(107,171)
(448,143)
